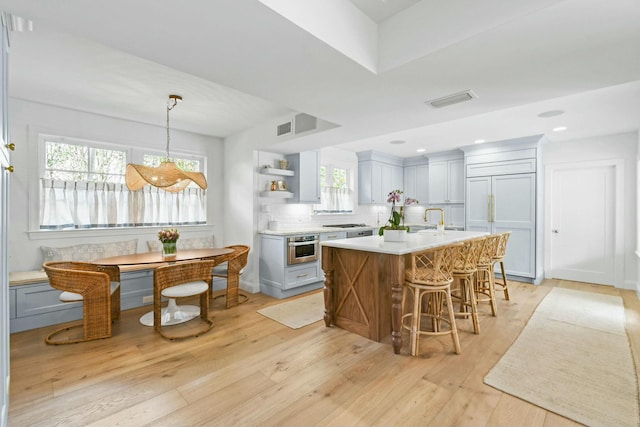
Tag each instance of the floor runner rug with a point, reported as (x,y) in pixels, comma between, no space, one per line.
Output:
(297,313)
(573,358)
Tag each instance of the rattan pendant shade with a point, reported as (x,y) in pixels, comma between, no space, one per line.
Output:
(166,176)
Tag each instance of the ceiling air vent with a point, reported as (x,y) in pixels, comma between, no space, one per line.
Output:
(455,98)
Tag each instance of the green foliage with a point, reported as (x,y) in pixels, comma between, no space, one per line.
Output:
(70,162)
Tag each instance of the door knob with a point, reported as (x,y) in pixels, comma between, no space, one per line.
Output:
(10,146)
(554,231)
(10,168)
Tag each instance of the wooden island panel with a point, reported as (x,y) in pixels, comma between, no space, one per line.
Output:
(357,291)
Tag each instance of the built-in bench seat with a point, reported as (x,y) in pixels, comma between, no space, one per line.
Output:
(33,303)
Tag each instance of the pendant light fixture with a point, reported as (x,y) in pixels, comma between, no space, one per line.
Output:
(166,176)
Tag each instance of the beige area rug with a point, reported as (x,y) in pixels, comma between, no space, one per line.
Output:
(573,358)
(297,313)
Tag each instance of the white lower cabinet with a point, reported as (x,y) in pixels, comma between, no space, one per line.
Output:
(279,280)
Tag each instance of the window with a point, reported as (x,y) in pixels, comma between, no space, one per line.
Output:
(187,165)
(336,192)
(83,186)
(73,162)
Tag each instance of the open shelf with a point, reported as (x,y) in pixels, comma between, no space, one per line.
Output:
(274,171)
(277,194)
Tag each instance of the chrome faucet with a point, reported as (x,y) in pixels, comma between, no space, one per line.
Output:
(426,214)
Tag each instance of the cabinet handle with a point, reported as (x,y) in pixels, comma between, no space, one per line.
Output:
(489,208)
(303,275)
(493,208)
(10,168)
(11,146)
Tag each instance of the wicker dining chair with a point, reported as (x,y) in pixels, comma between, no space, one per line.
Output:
(501,252)
(237,260)
(97,287)
(428,273)
(181,280)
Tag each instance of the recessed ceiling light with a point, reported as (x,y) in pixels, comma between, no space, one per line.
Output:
(396,142)
(421,150)
(559,128)
(551,113)
(479,141)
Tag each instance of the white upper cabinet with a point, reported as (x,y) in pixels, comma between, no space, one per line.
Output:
(378,175)
(446,178)
(416,182)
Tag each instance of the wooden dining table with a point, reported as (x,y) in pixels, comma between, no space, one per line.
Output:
(157,257)
(177,314)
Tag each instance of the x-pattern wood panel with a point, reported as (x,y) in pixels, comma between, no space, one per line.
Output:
(351,286)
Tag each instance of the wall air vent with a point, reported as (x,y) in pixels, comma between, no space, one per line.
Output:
(284,129)
(455,98)
(301,123)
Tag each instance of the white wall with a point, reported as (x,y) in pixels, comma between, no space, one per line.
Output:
(28,118)
(619,146)
(637,191)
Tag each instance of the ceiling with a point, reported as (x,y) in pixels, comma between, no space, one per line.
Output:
(364,68)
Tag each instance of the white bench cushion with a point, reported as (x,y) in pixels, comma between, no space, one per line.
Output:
(89,251)
(186,289)
(185,244)
(73,297)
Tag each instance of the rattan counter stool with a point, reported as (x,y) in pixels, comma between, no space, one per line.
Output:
(501,252)
(180,280)
(428,273)
(465,267)
(485,280)
(97,287)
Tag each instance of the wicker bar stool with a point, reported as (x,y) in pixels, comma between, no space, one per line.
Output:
(485,286)
(429,273)
(97,287)
(501,252)
(465,266)
(238,261)
(185,279)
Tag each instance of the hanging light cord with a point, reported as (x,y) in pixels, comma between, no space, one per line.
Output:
(171,103)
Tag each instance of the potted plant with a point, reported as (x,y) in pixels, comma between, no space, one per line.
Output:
(394,230)
(169,238)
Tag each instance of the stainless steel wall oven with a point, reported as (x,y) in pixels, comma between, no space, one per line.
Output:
(303,249)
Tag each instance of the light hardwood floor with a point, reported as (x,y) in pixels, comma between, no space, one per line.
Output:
(250,370)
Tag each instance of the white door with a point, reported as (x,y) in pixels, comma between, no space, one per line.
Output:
(581,231)
(5,160)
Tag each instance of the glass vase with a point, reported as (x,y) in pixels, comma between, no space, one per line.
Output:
(169,250)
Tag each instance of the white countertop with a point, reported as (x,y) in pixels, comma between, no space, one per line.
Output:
(290,231)
(415,242)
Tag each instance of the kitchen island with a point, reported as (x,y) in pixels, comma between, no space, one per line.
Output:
(364,279)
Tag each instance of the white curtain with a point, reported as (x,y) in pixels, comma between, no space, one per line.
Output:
(68,204)
(335,200)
